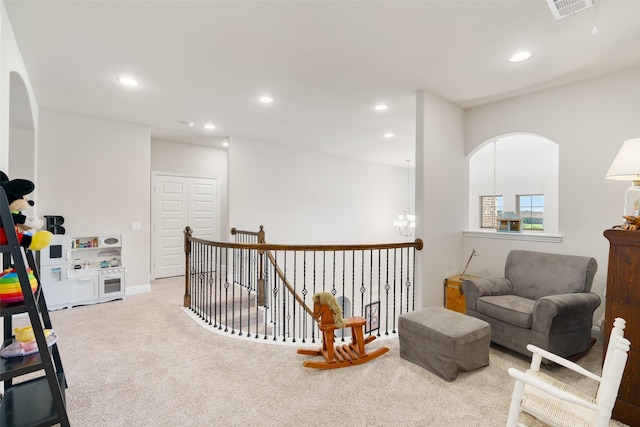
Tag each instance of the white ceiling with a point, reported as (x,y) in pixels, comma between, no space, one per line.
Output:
(326,63)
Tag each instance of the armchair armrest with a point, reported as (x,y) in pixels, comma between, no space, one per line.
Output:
(549,307)
(474,288)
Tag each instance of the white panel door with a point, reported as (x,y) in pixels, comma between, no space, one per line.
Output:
(203,208)
(170,211)
(179,201)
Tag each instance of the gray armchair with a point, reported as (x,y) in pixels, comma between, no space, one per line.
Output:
(544,299)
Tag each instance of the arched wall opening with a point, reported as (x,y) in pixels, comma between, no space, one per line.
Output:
(516,169)
(22,152)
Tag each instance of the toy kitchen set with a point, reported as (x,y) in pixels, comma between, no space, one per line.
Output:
(82,270)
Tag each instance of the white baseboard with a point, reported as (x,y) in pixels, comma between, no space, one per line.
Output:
(136,290)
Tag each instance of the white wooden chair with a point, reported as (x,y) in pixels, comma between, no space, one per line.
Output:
(559,404)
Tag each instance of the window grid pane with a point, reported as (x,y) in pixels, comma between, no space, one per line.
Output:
(531,210)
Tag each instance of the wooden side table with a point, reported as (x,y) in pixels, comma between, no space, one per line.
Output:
(453,297)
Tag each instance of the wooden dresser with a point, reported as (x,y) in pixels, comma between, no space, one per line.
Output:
(623,300)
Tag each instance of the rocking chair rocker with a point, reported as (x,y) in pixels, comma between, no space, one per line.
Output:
(328,314)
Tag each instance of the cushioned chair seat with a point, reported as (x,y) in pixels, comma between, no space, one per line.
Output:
(510,308)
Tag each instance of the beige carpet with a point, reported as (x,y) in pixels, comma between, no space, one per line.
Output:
(144,362)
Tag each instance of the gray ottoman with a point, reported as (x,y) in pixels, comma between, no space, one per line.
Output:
(444,341)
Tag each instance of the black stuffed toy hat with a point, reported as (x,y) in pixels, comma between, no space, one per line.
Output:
(16,190)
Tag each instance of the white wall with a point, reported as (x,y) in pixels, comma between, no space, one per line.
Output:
(22,154)
(96,174)
(10,60)
(304,197)
(589,121)
(177,158)
(441,195)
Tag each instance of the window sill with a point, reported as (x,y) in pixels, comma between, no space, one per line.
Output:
(524,236)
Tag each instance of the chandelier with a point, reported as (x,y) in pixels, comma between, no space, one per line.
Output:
(406,222)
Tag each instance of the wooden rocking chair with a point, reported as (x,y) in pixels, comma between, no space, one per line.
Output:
(328,314)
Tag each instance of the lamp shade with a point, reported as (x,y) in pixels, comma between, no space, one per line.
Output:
(626,165)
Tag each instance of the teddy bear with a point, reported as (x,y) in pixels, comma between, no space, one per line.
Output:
(16,191)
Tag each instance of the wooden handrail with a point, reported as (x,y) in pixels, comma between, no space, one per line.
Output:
(218,275)
(263,246)
(259,246)
(288,285)
(417,244)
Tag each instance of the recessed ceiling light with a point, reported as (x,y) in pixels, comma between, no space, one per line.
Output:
(389,135)
(265,99)
(127,81)
(381,107)
(209,126)
(225,144)
(520,56)
(188,123)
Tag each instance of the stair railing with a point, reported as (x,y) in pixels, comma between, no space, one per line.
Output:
(255,289)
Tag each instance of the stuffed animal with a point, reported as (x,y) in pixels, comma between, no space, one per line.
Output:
(22,221)
(631,223)
(16,191)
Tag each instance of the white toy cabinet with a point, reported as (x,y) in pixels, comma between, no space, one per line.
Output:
(82,270)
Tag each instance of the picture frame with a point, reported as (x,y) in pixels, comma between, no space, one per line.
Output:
(372,317)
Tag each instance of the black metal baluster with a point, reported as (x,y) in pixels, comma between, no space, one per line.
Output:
(226,291)
(240,289)
(379,289)
(401,277)
(210,277)
(304,295)
(362,286)
(250,287)
(216,279)
(269,311)
(353,282)
(313,330)
(408,282)
(285,314)
(275,296)
(386,288)
(395,273)
(293,304)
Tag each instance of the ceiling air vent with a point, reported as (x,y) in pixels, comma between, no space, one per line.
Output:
(563,8)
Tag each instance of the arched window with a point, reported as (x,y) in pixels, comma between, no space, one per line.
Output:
(514,175)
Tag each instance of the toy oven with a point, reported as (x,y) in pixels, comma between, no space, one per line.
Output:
(111,282)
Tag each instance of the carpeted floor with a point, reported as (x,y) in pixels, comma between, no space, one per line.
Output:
(145,362)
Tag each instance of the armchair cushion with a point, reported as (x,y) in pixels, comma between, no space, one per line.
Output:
(509,308)
(482,286)
(537,274)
